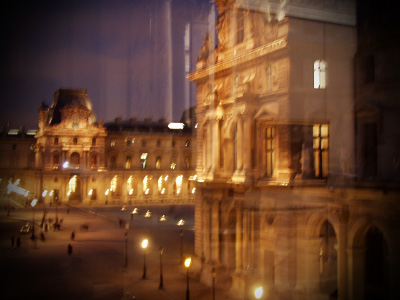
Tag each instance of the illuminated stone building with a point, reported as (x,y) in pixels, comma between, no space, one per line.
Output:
(73,159)
(279,203)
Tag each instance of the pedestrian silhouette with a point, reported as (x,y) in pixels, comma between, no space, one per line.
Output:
(69,249)
(72,235)
(18,242)
(42,238)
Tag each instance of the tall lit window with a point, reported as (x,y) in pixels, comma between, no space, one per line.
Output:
(128,159)
(269,78)
(158,162)
(56,161)
(147,185)
(73,183)
(162,185)
(131,186)
(173,162)
(115,186)
(178,185)
(187,162)
(320,74)
(320,149)
(75,160)
(56,141)
(269,151)
(75,141)
(93,161)
(239,26)
(143,159)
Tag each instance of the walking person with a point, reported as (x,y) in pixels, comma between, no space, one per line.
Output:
(69,250)
(72,235)
(42,238)
(18,242)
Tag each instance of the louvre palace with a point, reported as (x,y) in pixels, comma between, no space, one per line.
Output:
(298,160)
(291,157)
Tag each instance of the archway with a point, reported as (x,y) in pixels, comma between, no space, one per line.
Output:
(376,265)
(74,189)
(328,260)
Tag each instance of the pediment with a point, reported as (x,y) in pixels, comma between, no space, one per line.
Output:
(367,109)
(266,113)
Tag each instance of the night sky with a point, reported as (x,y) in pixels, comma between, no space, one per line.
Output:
(108,47)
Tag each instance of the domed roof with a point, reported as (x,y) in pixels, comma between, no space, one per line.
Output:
(69,98)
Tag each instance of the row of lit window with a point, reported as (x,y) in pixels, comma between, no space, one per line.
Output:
(132,186)
(320,147)
(129,142)
(74,162)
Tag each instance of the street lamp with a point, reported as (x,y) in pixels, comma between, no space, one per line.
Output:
(161,286)
(145,243)
(33,204)
(187,265)
(258,292)
(106,193)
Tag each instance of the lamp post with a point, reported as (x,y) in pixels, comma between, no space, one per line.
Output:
(214,274)
(145,243)
(106,193)
(181,235)
(33,204)
(187,265)
(126,247)
(161,286)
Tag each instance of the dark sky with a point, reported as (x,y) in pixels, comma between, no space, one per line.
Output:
(104,46)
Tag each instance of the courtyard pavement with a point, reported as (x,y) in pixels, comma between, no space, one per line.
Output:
(107,261)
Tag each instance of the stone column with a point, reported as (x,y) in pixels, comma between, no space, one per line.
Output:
(37,157)
(246,154)
(206,231)
(342,255)
(238,244)
(245,241)
(239,145)
(215,228)
(209,147)
(216,145)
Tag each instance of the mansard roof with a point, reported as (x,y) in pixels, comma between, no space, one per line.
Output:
(70,98)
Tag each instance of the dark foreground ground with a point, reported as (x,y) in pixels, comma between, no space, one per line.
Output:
(103,264)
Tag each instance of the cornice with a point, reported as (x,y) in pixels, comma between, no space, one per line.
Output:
(337,12)
(239,59)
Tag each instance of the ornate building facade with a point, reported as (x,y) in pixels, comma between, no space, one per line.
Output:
(279,203)
(72,158)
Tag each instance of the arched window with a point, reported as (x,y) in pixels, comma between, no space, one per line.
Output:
(162,185)
(115,186)
(178,185)
(93,161)
(148,185)
(75,160)
(158,162)
(131,186)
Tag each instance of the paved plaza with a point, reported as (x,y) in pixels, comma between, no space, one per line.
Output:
(103,264)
